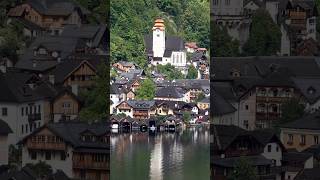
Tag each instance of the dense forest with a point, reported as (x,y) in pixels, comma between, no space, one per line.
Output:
(131,20)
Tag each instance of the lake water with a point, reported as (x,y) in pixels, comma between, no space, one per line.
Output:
(183,155)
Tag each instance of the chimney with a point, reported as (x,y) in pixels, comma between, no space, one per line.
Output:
(51,79)
(75,89)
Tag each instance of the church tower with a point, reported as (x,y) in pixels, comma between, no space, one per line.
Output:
(159,38)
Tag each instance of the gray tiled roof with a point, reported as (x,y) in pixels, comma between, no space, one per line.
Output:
(219,106)
(56,7)
(231,162)
(4,128)
(169,92)
(141,104)
(309,121)
(309,87)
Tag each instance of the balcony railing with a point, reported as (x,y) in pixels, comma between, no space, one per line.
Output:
(89,164)
(34,117)
(45,145)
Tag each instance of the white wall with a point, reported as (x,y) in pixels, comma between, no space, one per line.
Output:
(274,154)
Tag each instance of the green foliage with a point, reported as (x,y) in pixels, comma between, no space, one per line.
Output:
(200,97)
(170,71)
(192,72)
(265,36)
(186,117)
(243,171)
(291,111)
(96,104)
(147,90)
(222,45)
(41,169)
(131,20)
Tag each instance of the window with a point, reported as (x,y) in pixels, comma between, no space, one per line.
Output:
(302,140)
(316,140)
(33,155)
(4,111)
(63,156)
(48,156)
(39,109)
(27,130)
(66,105)
(277,149)
(247,107)
(22,111)
(215,2)
(269,148)
(246,124)
(290,139)
(22,129)
(227,2)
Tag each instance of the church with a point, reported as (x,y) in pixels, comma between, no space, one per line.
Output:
(164,49)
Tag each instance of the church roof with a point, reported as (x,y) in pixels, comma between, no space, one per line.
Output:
(173,43)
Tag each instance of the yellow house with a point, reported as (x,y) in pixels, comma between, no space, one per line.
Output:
(302,133)
(204,104)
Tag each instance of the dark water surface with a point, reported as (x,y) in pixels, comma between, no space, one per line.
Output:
(182,155)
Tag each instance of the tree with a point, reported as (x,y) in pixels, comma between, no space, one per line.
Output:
(170,71)
(291,110)
(41,169)
(200,97)
(243,171)
(192,72)
(96,104)
(265,36)
(186,117)
(222,45)
(147,90)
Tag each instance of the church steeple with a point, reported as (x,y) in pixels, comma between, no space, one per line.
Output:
(159,38)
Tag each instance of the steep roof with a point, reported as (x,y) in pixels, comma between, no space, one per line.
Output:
(309,121)
(4,128)
(169,92)
(220,106)
(141,104)
(309,87)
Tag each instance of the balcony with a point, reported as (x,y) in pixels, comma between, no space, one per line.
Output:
(34,117)
(297,15)
(45,145)
(89,164)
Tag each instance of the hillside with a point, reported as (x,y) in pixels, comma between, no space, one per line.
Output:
(131,20)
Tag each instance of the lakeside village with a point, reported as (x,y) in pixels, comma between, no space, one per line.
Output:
(41,136)
(265,109)
(176,103)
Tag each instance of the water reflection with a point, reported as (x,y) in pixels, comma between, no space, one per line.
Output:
(181,155)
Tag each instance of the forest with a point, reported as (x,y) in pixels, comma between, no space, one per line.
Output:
(131,20)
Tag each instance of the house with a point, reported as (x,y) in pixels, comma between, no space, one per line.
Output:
(138,109)
(191,47)
(170,93)
(50,15)
(81,150)
(93,35)
(5,130)
(76,73)
(204,104)
(261,148)
(124,66)
(301,133)
(297,21)
(46,52)
(163,49)
(25,102)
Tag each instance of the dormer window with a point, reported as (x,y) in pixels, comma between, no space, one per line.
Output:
(42,51)
(311,90)
(235,73)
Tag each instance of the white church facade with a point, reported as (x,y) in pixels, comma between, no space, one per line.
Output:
(163,49)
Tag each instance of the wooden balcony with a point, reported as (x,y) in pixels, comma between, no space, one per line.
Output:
(261,116)
(34,117)
(45,145)
(297,15)
(140,113)
(266,99)
(89,164)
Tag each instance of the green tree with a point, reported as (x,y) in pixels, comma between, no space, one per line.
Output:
(291,110)
(265,36)
(41,169)
(147,90)
(222,45)
(192,72)
(200,97)
(170,71)
(243,171)
(186,117)
(96,105)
